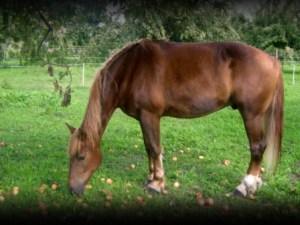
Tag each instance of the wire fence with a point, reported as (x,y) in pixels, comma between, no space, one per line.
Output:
(18,62)
(85,66)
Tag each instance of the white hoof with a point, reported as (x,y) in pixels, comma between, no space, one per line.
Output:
(249,185)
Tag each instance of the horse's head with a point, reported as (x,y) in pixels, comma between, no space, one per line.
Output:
(85,158)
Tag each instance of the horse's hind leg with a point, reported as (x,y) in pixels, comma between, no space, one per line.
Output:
(151,133)
(252,180)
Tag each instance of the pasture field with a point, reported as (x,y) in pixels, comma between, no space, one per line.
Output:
(34,162)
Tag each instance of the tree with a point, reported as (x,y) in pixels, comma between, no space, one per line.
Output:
(273,25)
(189,20)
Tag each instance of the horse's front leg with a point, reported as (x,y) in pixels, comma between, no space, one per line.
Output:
(151,133)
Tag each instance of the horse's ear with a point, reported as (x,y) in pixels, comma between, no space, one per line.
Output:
(82,134)
(72,129)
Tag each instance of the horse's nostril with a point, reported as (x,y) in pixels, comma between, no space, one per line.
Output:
(78,190)
(72,192)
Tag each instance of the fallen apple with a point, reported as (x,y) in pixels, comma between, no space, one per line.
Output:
(226,162)
(54,186)
(176,184)
(132,166)
(15,190)
(109,181)
(88,186)
(209,201)
(42,188)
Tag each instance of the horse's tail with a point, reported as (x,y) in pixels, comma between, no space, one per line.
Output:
(274,128)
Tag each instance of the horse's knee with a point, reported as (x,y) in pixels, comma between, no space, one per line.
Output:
(258,149)
(263,145)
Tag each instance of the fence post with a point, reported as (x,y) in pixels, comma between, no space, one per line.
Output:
(83,75)
(294,69)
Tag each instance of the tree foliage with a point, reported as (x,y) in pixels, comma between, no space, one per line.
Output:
(274,25)
(102,26)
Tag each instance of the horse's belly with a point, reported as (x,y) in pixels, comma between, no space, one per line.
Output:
(194,107)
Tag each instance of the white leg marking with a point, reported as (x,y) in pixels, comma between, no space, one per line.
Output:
(249,185)
(157,183)
(159,169)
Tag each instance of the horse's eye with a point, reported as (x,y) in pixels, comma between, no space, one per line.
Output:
(80,156)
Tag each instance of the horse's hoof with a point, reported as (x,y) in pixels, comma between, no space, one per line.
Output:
(237,193)
(164,192)
(153,191)
(147,182)
(251,196)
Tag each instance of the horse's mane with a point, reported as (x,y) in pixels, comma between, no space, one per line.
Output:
(92,120)
(112,59)
(144,44)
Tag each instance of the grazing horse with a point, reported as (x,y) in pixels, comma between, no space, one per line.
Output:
(150,79)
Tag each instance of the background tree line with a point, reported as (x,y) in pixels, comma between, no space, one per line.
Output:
(95,28)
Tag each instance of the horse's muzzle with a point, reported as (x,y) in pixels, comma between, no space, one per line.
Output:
(76,188)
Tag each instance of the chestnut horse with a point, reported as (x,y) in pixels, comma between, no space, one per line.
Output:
(151,79)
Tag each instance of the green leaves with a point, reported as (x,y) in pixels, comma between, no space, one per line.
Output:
(93,29)
(272,26)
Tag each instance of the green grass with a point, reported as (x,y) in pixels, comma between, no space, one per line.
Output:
(32,126)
